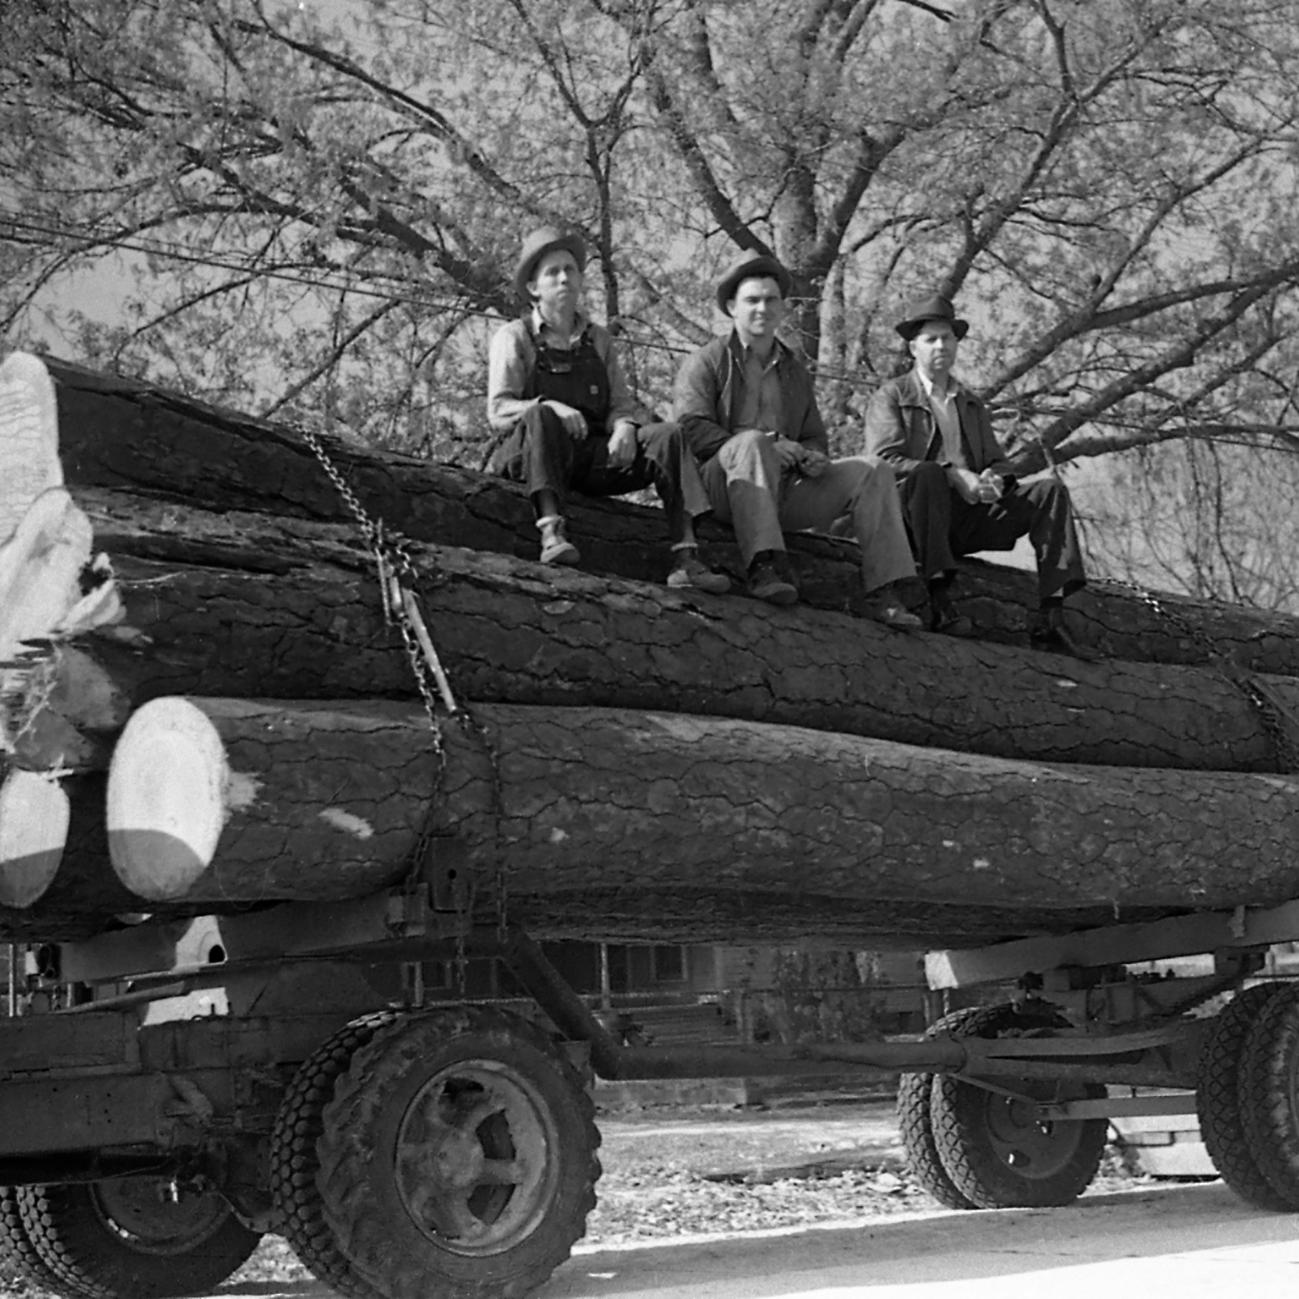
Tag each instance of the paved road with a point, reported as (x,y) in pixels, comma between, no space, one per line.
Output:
(1192,1242)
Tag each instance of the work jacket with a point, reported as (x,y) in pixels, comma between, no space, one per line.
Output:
(706,395)
(901,428)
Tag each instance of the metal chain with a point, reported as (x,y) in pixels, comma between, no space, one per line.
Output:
(397,576)
(1279,722)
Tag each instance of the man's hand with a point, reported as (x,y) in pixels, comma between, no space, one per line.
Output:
(572,419)
(622,445)
(811,462)
(975,489)
(788,453)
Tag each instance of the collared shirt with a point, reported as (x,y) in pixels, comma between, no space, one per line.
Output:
(949,421)
(511,359)
(759,402)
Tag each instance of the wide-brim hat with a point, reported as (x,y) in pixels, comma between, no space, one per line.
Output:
(934,307)
(540,242)
(751,266)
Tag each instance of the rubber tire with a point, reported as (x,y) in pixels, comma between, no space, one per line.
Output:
(295,1164)
(960,1116)
(1268,1091)
(68,1228)
(915,1116)
(1218,1099)
(385,1093)
(16,1249)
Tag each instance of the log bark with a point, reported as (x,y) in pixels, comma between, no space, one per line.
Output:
(306,803)
(671,827)
(123,434)
(247,605)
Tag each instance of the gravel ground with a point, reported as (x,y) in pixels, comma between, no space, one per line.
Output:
(705,1172)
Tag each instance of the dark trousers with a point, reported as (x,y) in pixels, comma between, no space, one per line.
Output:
(540,453)
(943,526)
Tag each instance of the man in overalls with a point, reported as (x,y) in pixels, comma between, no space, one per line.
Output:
(556,389)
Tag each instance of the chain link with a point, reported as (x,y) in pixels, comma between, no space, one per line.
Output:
(397,577)
(1279,721)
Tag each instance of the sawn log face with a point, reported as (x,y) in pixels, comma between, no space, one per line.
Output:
(638,824)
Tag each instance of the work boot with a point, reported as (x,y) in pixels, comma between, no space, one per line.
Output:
(555,547)
(690,573)
(766,581)
(885,605)
(944,616)
(1047,632)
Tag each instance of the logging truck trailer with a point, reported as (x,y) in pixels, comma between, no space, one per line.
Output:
(282,1071)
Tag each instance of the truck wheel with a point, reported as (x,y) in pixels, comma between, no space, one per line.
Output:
(1218,1099)
(458,1157)
(915,1118)
(16,1249)
(295,1164)
(1268,1091)
(126,1238)
(997,1153)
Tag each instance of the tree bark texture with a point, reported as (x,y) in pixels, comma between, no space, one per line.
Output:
(248,605)
(123,434)
(667,826)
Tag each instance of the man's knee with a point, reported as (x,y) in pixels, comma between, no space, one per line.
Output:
(1047,494)
(745,451)
(661,440)
(926,481)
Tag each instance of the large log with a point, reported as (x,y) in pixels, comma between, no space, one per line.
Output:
(124,434)
(665,826)
(241,604)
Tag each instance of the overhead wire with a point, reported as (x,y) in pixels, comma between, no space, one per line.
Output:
(341,281)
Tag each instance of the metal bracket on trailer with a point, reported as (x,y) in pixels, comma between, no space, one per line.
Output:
(1238,930)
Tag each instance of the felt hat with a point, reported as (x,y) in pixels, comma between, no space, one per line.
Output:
(749,266)
(540,242)
(931,308)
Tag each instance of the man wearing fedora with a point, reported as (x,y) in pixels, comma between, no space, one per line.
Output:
(958,491)
(557,395)
(748,408)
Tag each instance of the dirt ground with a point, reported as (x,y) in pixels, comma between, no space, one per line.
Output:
(672,1173)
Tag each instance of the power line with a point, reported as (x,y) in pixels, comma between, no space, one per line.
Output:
(400,292)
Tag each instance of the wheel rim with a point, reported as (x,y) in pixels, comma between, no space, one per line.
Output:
(473,1163)
(148,1214)
(1031,1147)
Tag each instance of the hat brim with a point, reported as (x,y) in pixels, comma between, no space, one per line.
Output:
(527,267)
(910,328)
(757,268)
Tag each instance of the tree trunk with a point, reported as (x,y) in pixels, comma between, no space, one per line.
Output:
(119,433)
(677,828)
(246,605)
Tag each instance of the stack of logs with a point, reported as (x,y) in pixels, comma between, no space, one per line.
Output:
(206,707)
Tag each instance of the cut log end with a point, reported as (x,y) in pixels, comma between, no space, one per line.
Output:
(166,798)
(34,814)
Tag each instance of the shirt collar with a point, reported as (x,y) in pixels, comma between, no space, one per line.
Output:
(540,327)
(927,387)
(741,352)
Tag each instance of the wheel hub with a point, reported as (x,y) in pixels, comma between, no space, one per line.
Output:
(1032,1146)
(156,1216)
(471,1162)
